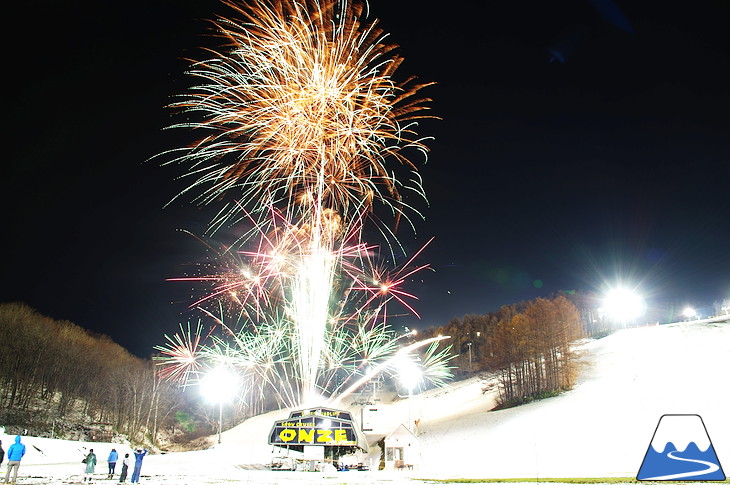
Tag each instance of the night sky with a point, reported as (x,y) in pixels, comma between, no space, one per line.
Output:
(605,160)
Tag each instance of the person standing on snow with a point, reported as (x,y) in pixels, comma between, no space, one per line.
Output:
(125,467)
(90,465)
(15,454)
(2,452)
(138,456)
(113,455)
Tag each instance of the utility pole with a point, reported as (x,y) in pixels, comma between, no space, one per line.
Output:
(469,344)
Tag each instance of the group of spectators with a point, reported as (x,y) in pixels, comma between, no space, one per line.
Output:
(17,451)
(89,463)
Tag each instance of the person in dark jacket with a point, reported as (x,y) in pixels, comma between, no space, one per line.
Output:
(15,454)
(2,452)
(112,460)
(138,455)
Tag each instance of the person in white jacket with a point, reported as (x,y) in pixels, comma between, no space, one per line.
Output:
(125,467)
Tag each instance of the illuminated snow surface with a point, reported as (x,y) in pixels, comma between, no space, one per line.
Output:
(601,428)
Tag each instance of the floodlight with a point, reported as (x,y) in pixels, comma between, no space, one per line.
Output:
(624,305)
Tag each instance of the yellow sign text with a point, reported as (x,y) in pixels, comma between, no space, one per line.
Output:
(313,436)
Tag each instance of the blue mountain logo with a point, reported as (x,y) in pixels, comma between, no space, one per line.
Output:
(681,449)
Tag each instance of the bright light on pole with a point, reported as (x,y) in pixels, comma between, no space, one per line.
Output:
(624,305)
(689,313)
(218,386)
(409,376)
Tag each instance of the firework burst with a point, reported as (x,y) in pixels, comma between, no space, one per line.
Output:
(181,355)
(300,114)
(300,111)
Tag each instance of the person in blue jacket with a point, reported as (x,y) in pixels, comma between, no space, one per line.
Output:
(112,460)
(138,455)
(15,454)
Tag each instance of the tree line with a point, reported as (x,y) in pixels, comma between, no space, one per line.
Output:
(527,345)
(52,371)
(65,370)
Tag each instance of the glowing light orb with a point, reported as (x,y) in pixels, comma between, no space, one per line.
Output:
(219,385)
(624,305)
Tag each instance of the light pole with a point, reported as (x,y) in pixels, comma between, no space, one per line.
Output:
(219,385)
(469,344)
(220,420)
(409,375)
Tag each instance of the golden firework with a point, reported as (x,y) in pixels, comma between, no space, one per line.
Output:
(300,110)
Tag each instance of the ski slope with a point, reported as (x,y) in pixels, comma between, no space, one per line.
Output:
(604,425)
(601,428)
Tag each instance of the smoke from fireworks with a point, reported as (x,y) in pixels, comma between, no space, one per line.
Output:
(301,119)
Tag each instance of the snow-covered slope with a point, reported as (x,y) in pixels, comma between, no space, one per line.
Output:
(602,427)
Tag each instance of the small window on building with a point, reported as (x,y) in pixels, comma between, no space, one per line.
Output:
(393,454)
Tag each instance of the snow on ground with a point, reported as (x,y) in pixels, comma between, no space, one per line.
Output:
(601,428)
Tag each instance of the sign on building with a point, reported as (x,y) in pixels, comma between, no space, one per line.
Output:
(318,427)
